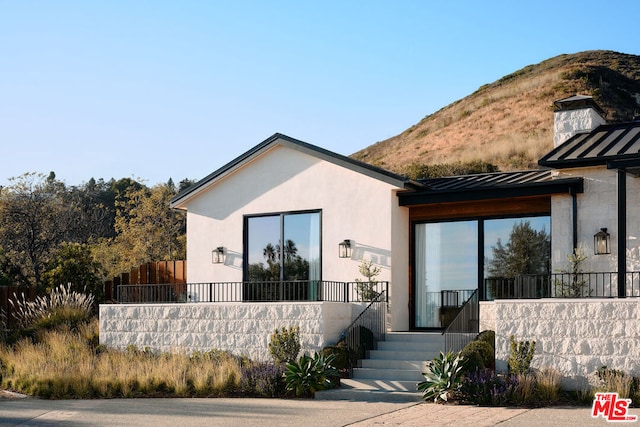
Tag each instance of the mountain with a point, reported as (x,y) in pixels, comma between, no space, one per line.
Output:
(509,123)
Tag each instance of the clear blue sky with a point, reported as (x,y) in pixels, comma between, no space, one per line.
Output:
(159,89)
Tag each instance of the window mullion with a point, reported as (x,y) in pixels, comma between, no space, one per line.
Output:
(282,243)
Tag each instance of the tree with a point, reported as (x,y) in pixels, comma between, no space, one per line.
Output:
(35,218)
(147,229)
(74,264)
(526,252)
(10,274)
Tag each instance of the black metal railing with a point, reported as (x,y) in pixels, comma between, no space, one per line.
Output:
(366,331)
(295,290)
(561,285)
(464,328)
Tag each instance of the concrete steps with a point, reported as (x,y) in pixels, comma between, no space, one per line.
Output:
(392,371)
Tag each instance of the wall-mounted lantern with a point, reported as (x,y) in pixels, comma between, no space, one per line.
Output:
(601,242)
(344,249)
(217,255)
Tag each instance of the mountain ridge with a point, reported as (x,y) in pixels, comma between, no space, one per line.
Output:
(509,123)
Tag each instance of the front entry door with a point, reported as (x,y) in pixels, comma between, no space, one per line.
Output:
(445,270)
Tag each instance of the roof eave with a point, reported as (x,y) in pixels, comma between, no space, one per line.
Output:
(177,202)
(557,186)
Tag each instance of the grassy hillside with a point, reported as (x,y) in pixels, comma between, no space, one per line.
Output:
(510,122)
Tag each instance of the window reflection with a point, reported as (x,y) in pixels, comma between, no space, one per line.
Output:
(270,261)
(517,257)
(516,246)
(447,263)
(446,268)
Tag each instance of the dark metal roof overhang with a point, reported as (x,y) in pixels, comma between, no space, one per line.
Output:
(631,166)
(554,186)
(604,144)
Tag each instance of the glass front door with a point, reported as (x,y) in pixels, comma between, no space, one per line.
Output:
(446,270)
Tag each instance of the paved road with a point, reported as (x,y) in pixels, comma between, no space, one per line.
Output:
(277,412)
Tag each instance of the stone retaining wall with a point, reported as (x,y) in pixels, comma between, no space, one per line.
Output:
(240,328)
(573,336)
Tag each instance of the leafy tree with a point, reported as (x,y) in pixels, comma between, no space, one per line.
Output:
(526,252)
(35,217)
(10,274)
(95,210)
(147,229)
(74,265)
(185,183)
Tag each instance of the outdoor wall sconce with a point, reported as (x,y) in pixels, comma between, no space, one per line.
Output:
(217,255)
(601,242)
(344,249)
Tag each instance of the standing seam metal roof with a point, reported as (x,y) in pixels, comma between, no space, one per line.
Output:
(486,180)
(605,143)
(497,185)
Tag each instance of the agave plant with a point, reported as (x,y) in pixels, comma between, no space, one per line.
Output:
(310,374)
(443,377)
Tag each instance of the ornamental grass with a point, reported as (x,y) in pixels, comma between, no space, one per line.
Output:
(66,364)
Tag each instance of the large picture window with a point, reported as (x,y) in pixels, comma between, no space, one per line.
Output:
(452,259)
(282,256)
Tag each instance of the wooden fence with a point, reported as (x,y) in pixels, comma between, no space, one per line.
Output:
(151,273)
(10,293)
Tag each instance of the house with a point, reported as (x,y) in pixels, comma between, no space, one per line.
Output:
(278,236)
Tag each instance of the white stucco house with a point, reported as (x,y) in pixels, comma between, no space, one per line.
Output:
(277,236)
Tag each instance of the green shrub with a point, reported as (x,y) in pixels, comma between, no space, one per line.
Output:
(520,355)
(478,355)
(489,337)
(284,344)
(341,355)
(367,341)
(310,374)
(443,377)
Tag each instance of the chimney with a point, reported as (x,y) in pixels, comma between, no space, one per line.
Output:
(575,114)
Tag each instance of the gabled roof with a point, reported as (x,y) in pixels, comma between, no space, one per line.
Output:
(485,186)
(278,139)
(606,143)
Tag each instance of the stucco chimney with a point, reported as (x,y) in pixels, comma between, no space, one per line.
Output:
(576,114)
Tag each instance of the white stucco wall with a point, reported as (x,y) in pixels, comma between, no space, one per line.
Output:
(354,206)
(243,329)
(597,208)
(573,336)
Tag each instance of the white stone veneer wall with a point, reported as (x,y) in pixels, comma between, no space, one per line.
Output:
(239,328)
(573,336)
(487,316)
(567,123)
